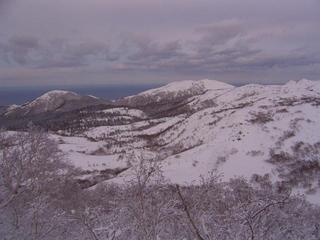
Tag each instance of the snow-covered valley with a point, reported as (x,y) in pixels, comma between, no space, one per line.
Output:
(193,128)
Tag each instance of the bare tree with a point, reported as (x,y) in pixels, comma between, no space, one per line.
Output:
(31,174)
(188,214)
(145,211)
(27,161)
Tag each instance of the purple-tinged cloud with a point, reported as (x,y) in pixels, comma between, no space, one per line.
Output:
(47,42)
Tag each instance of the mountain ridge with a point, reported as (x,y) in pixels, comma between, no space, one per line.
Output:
(251,131)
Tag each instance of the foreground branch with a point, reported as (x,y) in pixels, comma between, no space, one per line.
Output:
(186,209)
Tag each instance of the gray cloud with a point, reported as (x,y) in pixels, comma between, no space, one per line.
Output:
(4,3)
(58,53)
(164,40)
(219,32)
(18,49)
(152,51)
(221,47)
(66,55)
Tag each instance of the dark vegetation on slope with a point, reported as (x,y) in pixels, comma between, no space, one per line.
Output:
(3,109)
(301,168)
(77,118)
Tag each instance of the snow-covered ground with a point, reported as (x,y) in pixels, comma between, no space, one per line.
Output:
(229,129)
(181,86)
(85,154)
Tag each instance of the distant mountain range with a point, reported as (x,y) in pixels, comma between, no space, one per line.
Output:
(192,127)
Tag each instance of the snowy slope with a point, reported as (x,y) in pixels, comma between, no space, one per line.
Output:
(175,92)
(212,126)
(237,133)
(188,85)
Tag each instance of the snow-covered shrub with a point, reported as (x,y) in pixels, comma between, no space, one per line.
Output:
(31,175)
(261,117)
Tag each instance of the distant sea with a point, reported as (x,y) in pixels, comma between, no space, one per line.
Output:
(19,95)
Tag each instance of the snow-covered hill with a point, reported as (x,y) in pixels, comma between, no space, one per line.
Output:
(174,93)
(195,127)
(186,87)
(56,100)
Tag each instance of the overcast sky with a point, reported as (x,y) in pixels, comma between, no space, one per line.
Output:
(54,42)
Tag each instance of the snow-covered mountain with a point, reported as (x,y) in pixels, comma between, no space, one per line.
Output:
(174,93)
(186,88)
(195,127)
(53,101)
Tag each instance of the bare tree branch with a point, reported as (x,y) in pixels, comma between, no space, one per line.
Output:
(186,209)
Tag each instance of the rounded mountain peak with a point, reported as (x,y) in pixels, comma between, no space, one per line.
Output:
(192,86)
(54,94)
(51,101)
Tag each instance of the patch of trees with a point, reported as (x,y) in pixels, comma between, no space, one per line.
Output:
(39,199)
(261,117)
(314,101)
(73,121)
(300,167)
